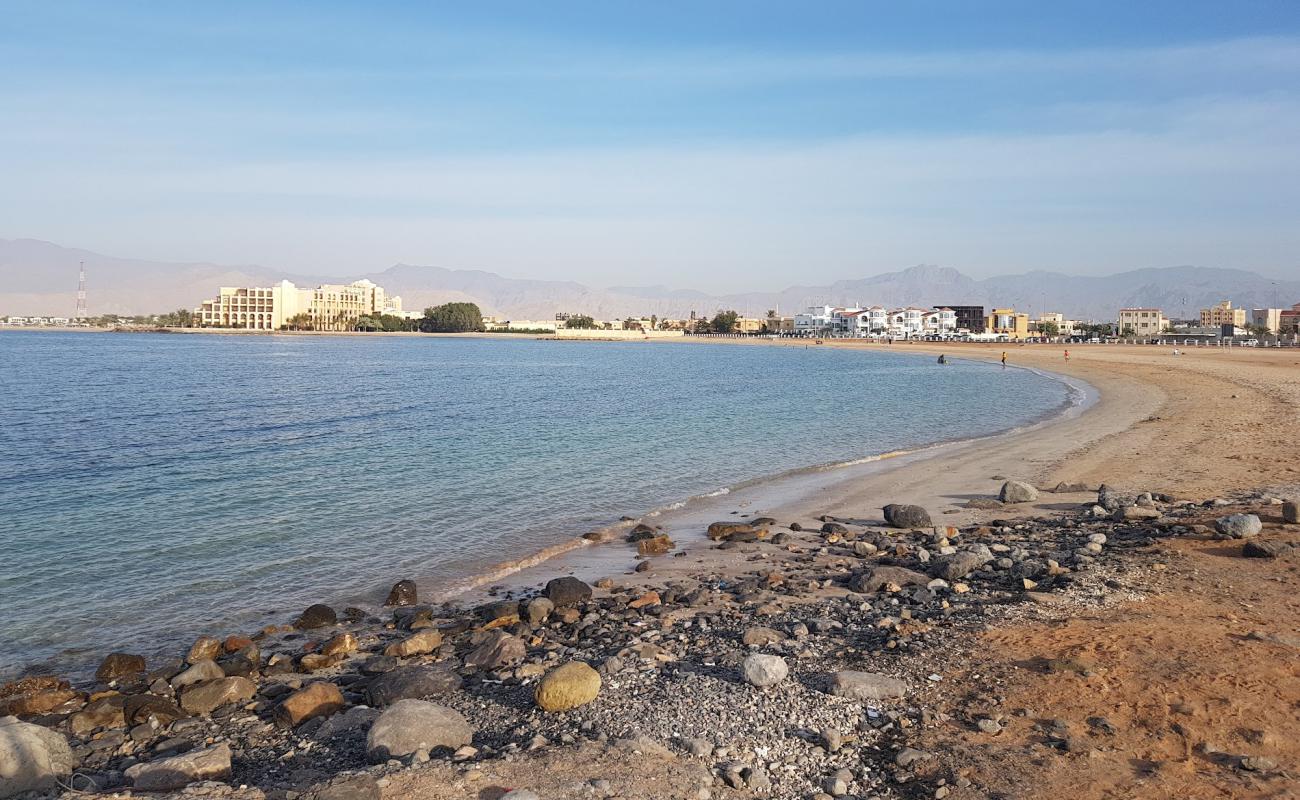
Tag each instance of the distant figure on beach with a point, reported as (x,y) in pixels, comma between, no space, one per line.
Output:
(1176,352)
(1004,359)
(943,359)
(1067,355)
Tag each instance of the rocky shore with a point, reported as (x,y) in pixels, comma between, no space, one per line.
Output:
(811,668)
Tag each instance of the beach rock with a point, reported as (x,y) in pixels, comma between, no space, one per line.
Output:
(200,670)
(1291,512)
(1069,488)
(539,609)
(881,578)
(351,787)
(498,614)
(403,593)
(1257,549)
(319,699)
(567,686)
(655,546)
(567,591)
(957,565)
(177,772)
(905,516)
(763,670)
(106,712)
(867,686)
(350,720)
(407,683)
(1017,492)
(205,648)
(41,701)
(760,636)
(340,645)
(731,531)
(32,683)
(1238,526)
(204,698)
(426,641)
(499,649)
(32,758)
(140,708)
(1134,513)
(119,665)
(983,503)
(1113,500)
(317,616)
(412,725)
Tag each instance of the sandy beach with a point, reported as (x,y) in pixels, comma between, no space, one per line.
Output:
(1099,657)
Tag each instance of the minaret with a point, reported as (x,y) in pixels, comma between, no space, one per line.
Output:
(81,293)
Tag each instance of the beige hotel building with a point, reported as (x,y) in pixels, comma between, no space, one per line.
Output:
(331,307)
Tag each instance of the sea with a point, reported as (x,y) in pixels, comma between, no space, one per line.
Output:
(154,487)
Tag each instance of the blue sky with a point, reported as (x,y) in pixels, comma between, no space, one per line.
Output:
(710,145)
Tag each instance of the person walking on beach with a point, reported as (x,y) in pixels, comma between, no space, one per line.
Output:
(1004,359)
(1067,355)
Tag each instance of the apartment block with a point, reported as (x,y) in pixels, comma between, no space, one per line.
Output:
(330,307)
(1142,321)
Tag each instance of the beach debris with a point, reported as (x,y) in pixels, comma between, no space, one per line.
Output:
(567,686)
(906,516)
(403,593)
(409,726)
(1017,492)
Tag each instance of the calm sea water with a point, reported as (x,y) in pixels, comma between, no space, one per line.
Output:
(153,487)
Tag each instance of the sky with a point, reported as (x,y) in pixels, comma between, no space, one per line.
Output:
(711,145)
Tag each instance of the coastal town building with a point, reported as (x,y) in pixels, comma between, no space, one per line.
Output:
(1289,320)
(969,318)
(1222,313)
(1049,321)
(815,320)
(780,325)
(1141,322)
(1270,318)
(329,307)
(1007,322)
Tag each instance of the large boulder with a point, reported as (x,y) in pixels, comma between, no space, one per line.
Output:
(119,665)
(1238,526)
(497,649)
(41,701)
(177,772)
(317,616)
(763,670)
(411,725)
(140,708)
(106,712)
(205,648)
(539,610)
(200,670)
(1017,492)
(1291,512)
(567,686)
(905,516)
(32,758)
(867,686)
(320,699)
(881,578)
(403,593)
(1112,499)
(424,642)
(567,591)
(204,698)
(409,683)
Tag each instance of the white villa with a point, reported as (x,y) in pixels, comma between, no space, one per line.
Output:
(876,321)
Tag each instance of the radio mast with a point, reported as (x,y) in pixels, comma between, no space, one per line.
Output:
(81,293)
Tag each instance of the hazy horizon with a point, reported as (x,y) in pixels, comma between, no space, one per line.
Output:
(736,146)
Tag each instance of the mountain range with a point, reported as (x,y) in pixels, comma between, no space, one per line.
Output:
(40,278)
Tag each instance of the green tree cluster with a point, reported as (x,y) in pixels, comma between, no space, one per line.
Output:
(452,318)
(387,323)
(724,322)
(581,321)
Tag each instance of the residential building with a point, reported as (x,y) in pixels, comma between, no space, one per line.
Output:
(969,318)
(1007,322)
(750,324)
(1064,327)
(1289,321)
(814,321)
(781,325)
(330,307)
(1222,313)
(1141,322)
(1270,318)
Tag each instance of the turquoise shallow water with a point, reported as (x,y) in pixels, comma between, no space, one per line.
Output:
(154,487)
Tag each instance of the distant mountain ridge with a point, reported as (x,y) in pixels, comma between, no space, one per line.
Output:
(39,278)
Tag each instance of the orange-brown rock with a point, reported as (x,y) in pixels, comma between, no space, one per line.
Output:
(648,599)
(319,699)
(340,645)
(205,648)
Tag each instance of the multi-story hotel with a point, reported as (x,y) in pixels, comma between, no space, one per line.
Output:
(331,307)
(1142,321)
(1223,313)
